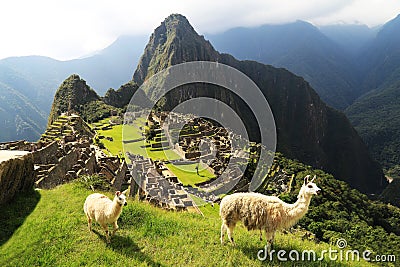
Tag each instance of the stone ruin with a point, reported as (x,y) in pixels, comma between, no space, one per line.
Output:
(63,153)
(217,157)
(57,163)
(158,186)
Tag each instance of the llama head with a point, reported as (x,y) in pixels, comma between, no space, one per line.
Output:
(121,198)
(309,187)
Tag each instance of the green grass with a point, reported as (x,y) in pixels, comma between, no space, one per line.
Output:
(187,173)
(115,146)
(166,154)
(55,233)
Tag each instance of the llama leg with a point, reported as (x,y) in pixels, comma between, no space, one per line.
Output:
(115,227)
(260,235)
(105,227)
(89,222)
(223,229)
(230,232)
(270,239)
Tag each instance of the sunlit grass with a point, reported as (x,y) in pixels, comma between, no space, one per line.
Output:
(187,173)
(55,233)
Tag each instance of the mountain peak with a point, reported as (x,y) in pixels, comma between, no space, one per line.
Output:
(174,23)
(176,18)
(71,95)
(76,86)
(173,42)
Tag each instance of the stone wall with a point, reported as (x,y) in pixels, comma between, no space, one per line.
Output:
(91,164)
(120,176)
(46,155)
(16,175)
(57,174)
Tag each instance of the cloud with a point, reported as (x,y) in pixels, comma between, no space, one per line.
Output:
(255,13)
(371,13)
(67,29)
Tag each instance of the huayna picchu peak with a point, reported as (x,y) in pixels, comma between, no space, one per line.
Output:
(173,42)
(72,94)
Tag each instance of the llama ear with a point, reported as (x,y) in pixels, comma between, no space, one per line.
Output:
(312,180)
(117,193)
(124,192)
(306,179)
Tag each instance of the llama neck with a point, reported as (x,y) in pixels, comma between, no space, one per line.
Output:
(116,208)
(298,209)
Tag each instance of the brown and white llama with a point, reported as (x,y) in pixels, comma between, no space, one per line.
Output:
(261,212)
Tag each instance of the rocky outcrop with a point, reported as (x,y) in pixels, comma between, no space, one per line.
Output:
(16,174)
(121,97)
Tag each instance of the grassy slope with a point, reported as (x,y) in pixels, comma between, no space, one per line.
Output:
(56,234)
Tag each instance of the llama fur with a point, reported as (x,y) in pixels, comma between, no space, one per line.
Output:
(100,208)
(260,212)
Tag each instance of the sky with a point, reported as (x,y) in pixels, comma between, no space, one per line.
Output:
(67,29)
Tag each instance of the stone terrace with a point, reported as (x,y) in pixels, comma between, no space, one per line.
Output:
(158,185)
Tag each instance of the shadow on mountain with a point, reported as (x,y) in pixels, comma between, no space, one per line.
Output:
(14,213)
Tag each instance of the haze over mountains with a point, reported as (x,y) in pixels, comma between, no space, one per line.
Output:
(327,61)
(28,84)
(351,67)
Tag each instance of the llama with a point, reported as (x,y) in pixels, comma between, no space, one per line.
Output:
(261,212)
(104,211)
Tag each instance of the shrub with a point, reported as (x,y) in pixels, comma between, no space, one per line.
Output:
(94,182)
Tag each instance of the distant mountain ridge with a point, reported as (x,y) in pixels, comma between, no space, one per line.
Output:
(28,84)
(352,67)
(352,38)
(301,48)
(381,60)
(376,114)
